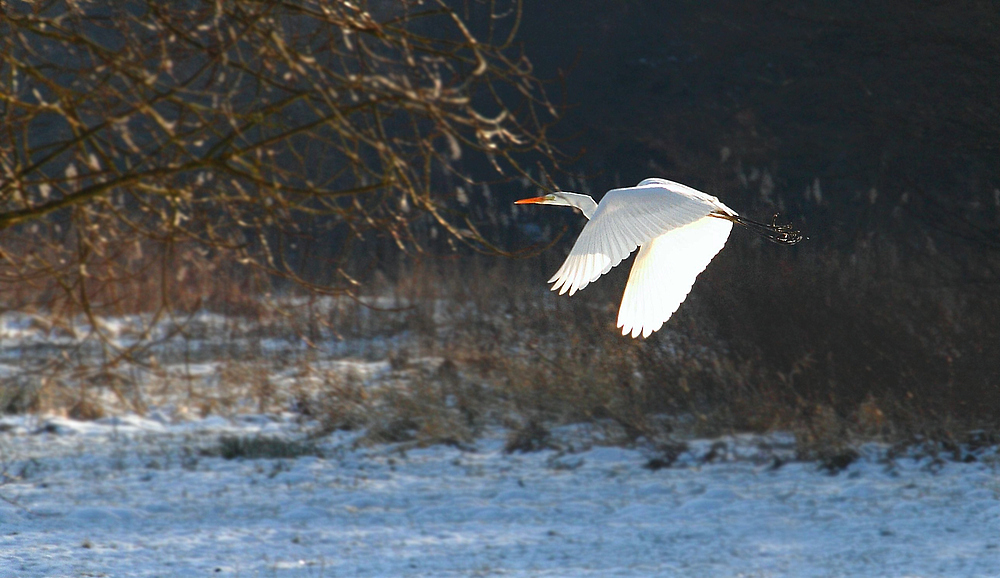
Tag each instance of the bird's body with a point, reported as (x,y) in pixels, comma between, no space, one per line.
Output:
(678,231)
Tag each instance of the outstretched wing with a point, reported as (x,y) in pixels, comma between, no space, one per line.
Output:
(625,219)
(664,272)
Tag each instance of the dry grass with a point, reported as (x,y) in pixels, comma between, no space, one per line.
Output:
(838,350)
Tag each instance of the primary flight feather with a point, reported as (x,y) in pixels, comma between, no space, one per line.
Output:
(678,231)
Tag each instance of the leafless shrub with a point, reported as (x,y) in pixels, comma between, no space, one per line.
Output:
(20,394)
(248,383)
(162,157)
(408,404)
(532,436)
(261,447)
(342,403)
(413,415)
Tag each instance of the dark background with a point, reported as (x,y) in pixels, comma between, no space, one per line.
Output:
(899,97)
(891,108)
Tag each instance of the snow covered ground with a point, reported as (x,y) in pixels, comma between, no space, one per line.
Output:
(130,496)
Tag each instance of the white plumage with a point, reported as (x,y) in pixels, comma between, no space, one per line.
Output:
(664,272)
(679,230)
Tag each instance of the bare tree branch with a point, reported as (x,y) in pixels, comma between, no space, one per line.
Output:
(249,128)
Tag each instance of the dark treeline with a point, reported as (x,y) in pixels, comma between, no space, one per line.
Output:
(891,108)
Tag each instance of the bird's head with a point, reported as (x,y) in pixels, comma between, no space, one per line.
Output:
(584,203)
(557,198)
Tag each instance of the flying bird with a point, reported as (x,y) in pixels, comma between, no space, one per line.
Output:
(678,231)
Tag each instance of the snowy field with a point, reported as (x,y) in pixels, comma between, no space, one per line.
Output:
(132,496)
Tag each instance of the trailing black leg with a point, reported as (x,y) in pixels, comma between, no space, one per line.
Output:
(781,234)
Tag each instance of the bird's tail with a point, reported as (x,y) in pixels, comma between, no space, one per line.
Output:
(781,234)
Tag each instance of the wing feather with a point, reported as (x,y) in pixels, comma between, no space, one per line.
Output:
(664,272)
(625,219)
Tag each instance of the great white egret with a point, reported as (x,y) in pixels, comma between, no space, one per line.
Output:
(678,229)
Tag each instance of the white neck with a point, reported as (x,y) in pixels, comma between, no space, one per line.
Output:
(585,203)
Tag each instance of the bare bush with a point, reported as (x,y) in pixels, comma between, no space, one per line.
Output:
(161,157)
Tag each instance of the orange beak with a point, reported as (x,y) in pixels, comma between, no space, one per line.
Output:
(531,200)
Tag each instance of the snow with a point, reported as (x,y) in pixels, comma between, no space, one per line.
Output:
(143,496)
(150,494)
